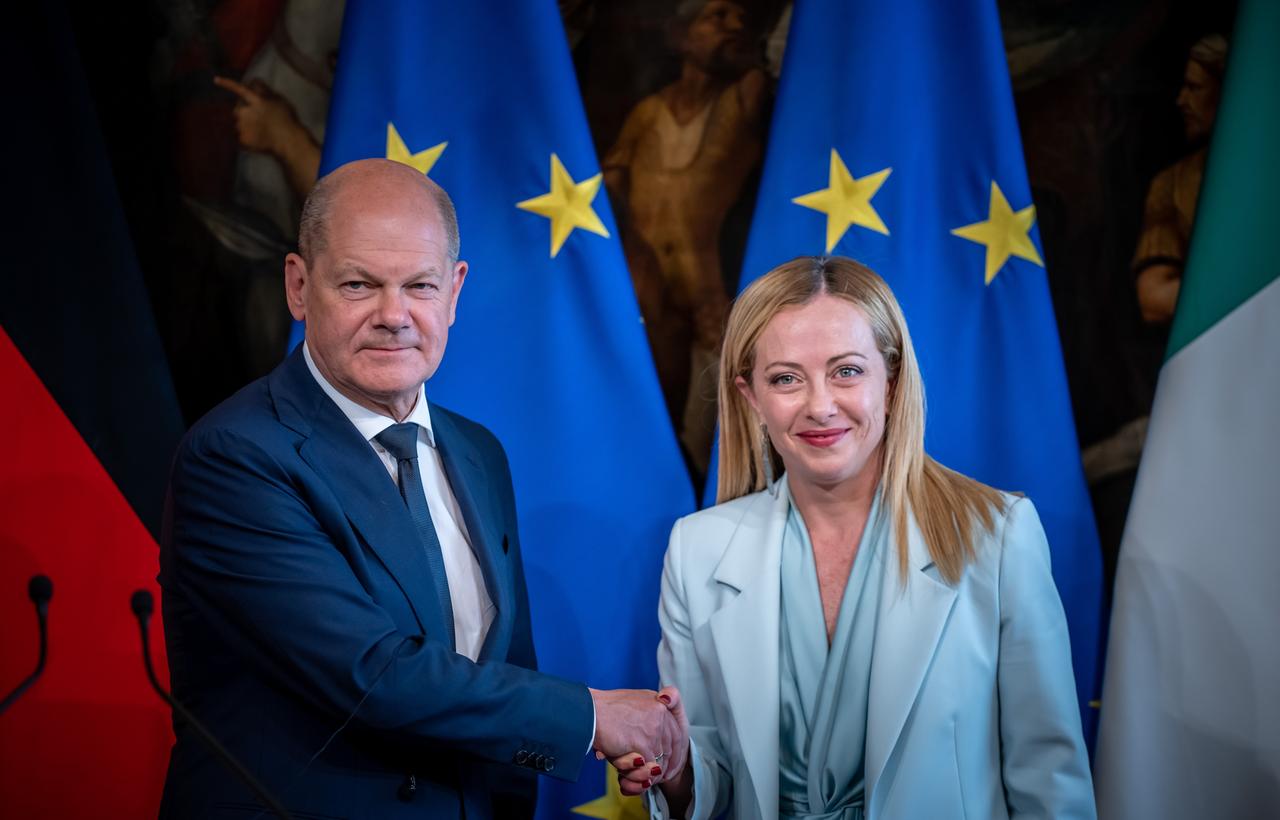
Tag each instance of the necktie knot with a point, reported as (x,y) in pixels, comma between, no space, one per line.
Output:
(401,440)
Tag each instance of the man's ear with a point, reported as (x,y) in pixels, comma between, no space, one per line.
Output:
(296,279)
(459,276)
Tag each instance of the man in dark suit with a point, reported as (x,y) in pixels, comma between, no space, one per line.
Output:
(344,600)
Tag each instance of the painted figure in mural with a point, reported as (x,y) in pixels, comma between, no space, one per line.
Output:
(281,105)
(1111,463)
(249,83)
(677,167)
(1171,200)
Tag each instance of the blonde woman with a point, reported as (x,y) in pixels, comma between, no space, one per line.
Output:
(856,631)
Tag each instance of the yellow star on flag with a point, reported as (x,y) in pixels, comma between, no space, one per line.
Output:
(846,201)
(613,806)
(1005,233)
(398,151)
(567,205)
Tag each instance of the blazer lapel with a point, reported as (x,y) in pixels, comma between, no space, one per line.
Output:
(471,487)
(361,484)
(910,625)
(745,634)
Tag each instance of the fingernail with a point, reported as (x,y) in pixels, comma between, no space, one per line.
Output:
(648,784)
(655,771)
(665,699)
(638,762)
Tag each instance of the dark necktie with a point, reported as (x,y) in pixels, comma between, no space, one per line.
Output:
(401,440)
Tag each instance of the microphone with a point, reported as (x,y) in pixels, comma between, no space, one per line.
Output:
(40,590)
(143,605)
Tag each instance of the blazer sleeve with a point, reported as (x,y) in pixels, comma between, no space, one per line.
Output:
(1044,763)
(248,558)
(678,666)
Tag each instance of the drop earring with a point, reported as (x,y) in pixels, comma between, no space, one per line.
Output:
(766,460)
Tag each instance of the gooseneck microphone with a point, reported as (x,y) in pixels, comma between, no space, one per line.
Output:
(40,590)
(143,605)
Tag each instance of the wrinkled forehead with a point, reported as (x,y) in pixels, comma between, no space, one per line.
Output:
(384,238)
(380,201)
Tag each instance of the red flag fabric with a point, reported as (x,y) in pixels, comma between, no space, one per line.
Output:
(90,738)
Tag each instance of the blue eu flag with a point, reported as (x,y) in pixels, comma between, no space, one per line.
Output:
(548,350)
(894,142)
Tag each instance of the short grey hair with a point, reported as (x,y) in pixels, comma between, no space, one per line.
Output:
(313,237)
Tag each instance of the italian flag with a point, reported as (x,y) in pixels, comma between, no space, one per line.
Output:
(1190,723)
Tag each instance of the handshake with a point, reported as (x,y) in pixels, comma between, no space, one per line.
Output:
(645,735)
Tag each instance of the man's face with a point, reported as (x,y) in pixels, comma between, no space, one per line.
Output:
(717,39)
(379,299)
(1198,101)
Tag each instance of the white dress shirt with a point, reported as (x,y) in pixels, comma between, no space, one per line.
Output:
(473,610)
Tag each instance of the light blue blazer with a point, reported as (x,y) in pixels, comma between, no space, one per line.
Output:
(972,710)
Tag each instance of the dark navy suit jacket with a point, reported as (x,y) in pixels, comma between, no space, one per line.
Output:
(296,594)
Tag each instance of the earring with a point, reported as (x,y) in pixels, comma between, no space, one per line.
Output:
(766,459)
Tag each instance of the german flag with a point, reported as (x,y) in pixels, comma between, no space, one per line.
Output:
(90,423)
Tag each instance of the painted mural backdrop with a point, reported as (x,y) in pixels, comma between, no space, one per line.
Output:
(197,127)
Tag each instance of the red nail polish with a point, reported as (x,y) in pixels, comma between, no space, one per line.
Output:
(655,771)
(638,762)
(665,699)
(648,784)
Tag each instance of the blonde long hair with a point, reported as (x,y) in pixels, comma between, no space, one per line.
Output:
(948,507)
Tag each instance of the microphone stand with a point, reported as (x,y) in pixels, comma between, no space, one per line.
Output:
(40,590)
(143,605)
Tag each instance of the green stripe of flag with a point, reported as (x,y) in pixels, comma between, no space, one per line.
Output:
(1240,198)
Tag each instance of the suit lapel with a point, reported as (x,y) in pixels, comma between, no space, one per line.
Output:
(910,625)
(361,484)
(745,633)
(470,484)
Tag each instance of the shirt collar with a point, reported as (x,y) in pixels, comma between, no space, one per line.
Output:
(368,422)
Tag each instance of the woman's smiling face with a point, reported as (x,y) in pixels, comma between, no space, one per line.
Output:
(821,387)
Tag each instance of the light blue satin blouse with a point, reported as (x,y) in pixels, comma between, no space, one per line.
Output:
(824,691)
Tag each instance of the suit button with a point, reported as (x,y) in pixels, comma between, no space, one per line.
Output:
(522,756)
(536,761)
(549,763)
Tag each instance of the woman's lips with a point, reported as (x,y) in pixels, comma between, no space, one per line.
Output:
(822,438)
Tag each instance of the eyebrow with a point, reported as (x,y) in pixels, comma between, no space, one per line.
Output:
(852,354)
(344,270)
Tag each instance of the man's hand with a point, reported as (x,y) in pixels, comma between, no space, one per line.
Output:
(638,771)
(267,123)
(635,724)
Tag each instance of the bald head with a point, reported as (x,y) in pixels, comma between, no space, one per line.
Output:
(385,181)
